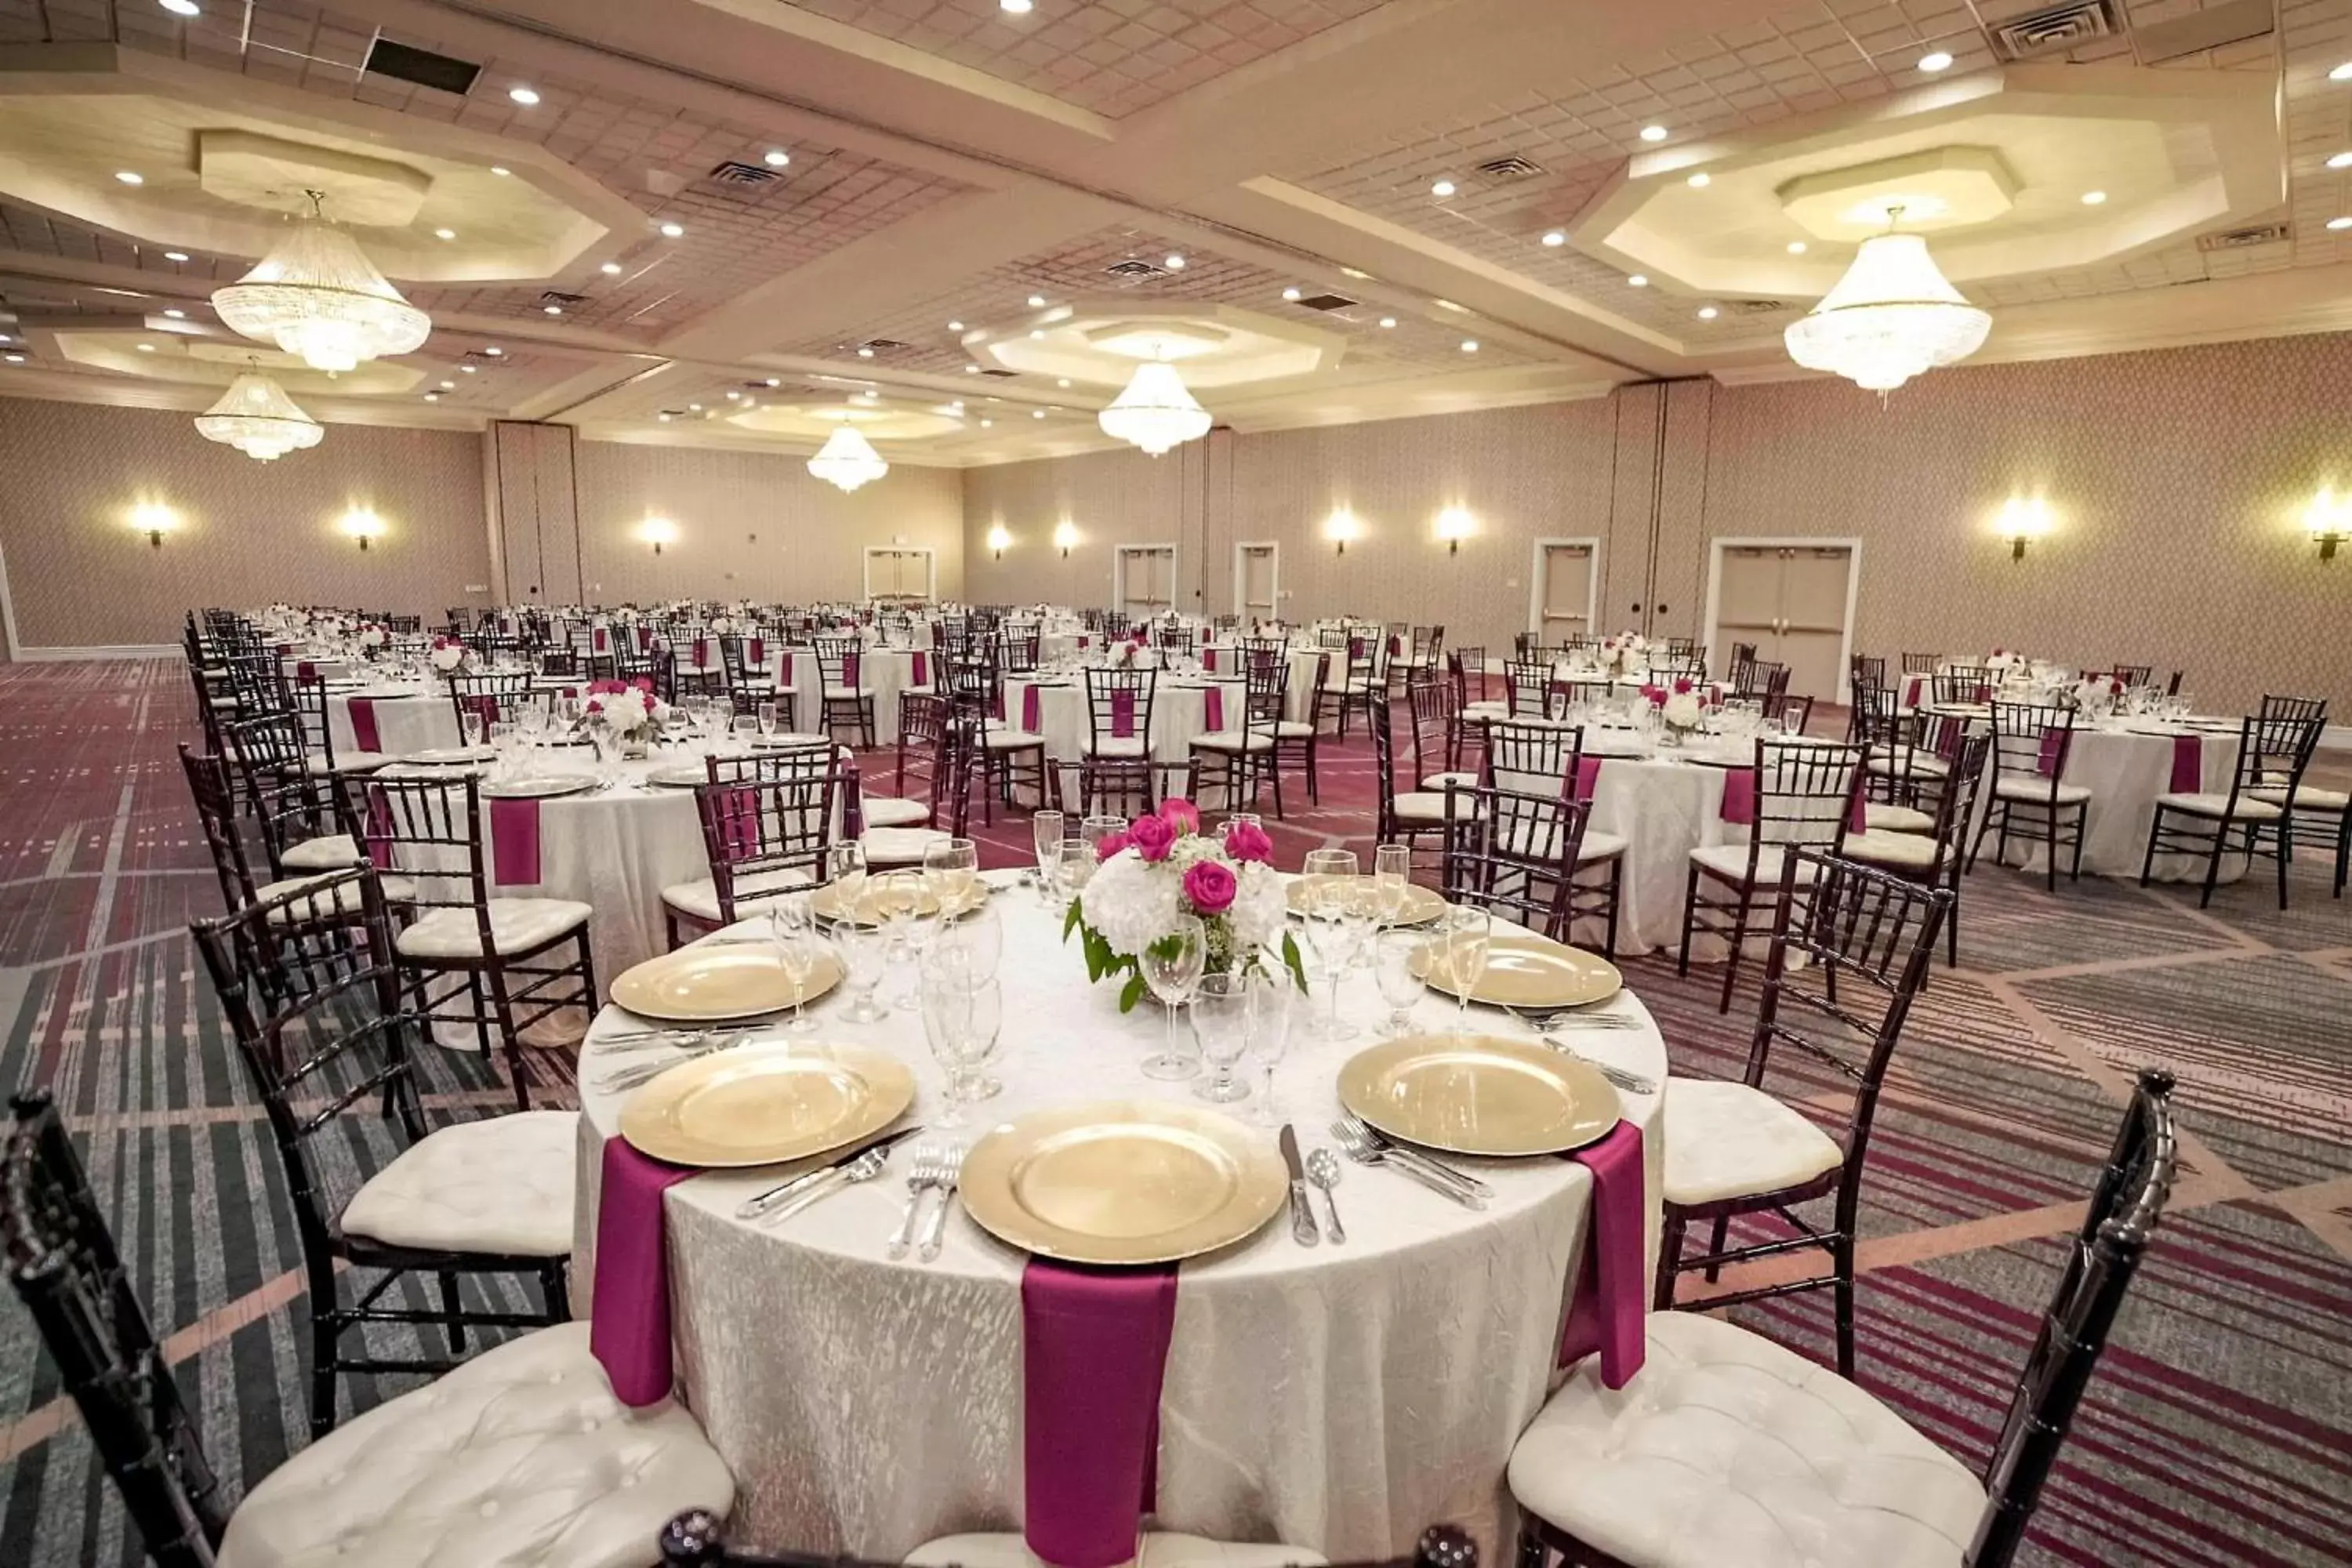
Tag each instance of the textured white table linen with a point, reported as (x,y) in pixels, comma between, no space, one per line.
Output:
(1178,718)
(888,670)
(407,719)
(2126,770)
(1339,1398)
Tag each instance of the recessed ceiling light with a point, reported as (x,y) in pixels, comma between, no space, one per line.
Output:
(777,158)
(1934,60)
(1015,7)
(955,326)
(1173,263)
(1554,239)
(432,397)
(448,386)
(1387,321)
(775,381)
(181,7)
(552,309)
(494,350)
(1442,189)
(2339,223)
(1062,381)
(176,314)
(733,395)
(1708,312)
(1291,294)
(1355,272)
(1447,305)
(1469,346)
(146,348)
(175,256)
(673,231)
(609,270)
(2341,160)
(1037,302)
(988,424)
(1037,414)
(470,369)
(1653,132)
(130,177)
(865,354)
(1701,180)
(2093,198)
(2342,72)
(1036,333)
(15,359)
(694,408)
(501,170)
(522,95)
(445,234)
(972,369)
(663,418)
(5,338)
(1638,281)
(1796,248)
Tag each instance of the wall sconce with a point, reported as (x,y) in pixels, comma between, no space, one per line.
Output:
(2329,520)
(1066,535)
(154,520)
(657,532)
(362,525)
(1455,524)
(2023,522)
(998,538)
(1340,528)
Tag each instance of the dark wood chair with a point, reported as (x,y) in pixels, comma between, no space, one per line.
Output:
(2032,743)
(2240,822)
(2323,812)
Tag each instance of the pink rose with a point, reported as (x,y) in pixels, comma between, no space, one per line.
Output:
(1248,841)
(1180,814)
(1152,836)
(1683,687)
(1111,843)
(1209,886)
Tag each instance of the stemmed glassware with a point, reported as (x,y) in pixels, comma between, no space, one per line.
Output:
(897,896)
(1398,970)
(1220,1020)
(1269,1033)
(1332,874)
(1463,949)
(1046,834)
(1172,968)
(1392,876)
(951,874)
(797,943)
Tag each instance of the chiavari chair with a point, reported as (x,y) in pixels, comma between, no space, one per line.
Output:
(1512,854)
(1961,684)
(1433,709)
(1295,739)
(953,762)
(2200,821)
(1899,768)
(1527,689)
(1933,854)
(846,699)
(2031,745)
(1921,663)
(768,820)
(1364,678)
(1548,759)
(1743,655)
(1119,712)
(290,794)
(487,699)
(2326,812)
(1405,817)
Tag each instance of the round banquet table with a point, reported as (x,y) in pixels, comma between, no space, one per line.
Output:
(408,718)
(1179,716)
(887,671)
(2126,764)
(1336,1398)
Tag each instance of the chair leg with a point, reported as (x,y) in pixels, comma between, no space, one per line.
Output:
(1690,918)
(2082,831)
(1738,941)
(1670,1258)
(1616,901)
(2050,846)
(556,1292)
(502,1008)
(323,1334)
(1716,1238)
(2343,854)
(2285,854)
(2147,861)
(1532,1552)
(1842,1264)
(453,1327)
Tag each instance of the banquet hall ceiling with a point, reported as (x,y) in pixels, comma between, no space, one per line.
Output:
(1363,208)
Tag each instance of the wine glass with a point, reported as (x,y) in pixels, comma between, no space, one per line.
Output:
(1269,1032)
(1359,918)
(1172,968)
(983,1029)
(1392,876)
(951,874)
(861,948)
(764,715)
(797,943)
(1327,933)
(1221,1009)
(844,869)
(1045,835)
(470,727)
(1398,969)
(1099,826)
(947,1004)
(896,896)
(747,731)
(1463,951)
(976,938)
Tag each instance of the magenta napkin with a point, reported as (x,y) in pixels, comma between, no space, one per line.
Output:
(1606,1300)
(849,662)
(2053,754)
(1086,642)
(363,731)
(305,670)
(1094,1345)
(701,652)
(756,652)
(1209,659)
(923,662)
(1588,774)
(604,640)
(1030,720)
(1122,712)
(630,1330)
(1213,709)
(1739,802)
(1912,688)
(514,842)
(2188,765)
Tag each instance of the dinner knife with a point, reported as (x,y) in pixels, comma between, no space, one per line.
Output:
(784,1192)
(1303,1229)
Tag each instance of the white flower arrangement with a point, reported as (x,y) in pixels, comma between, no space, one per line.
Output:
(1162,867)
(449,656)
(372,635)
(1682,711)
(629,712)
(2001,661)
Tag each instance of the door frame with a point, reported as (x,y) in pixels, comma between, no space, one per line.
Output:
(1851,546)
(930,567)
(1536,582)
(1118,555)
(1241,578)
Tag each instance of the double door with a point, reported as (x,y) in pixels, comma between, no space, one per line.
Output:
(1146,580)
(1792,602)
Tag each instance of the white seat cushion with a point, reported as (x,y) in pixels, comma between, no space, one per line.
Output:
(1910,851)
(1728,1451)
(1294,729)
(1881,817)
(1435,782)
(753,893)
(2033,788)
(1234,740)
(333,852)
(1113,746)
(503,1184)
(1011,739)
(2203,805)
(1729,862)
(1725,1139)
(846,693)
(1599,846)
(2309,797)
(1162,1549)
(521,1454)
(1418,806)
(346,899)
(1907,762)
(517,925)
(1486,710)
(890,810)
(900,846)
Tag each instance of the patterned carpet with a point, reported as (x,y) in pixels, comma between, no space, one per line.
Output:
(2219,1431)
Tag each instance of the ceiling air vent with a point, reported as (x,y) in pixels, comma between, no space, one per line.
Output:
(556,296)
(1135,270)
(2055,30)
(885,345)
(1758,307)
(1001,375)
(1512,168)
(751,176)
(2245,239)
(422,68)
(1326,301)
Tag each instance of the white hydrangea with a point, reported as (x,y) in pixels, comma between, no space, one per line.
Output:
(1130,904)
(1261,907)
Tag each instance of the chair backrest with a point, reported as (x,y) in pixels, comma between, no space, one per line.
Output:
(216,818)
(2272,754)
(428,828)
(2134,674)
(1921,663)
(1532,759)
(1512,853)
(1436,712)
(1868,667)
(289,800)
(1964,749)
(2030,739)
(487,699)
(1805,792)
(1118,704)
(837,661)
(781,820)
(65,1266)
(1527,687)
(2125,1209)
(1964,683)
(2292,707)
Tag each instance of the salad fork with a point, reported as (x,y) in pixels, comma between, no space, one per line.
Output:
(925,1171)
(1363,1150)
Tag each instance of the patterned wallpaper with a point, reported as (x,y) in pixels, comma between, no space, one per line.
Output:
(249,532)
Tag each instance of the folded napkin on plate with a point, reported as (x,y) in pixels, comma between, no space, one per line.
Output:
(1094,1345)
(2188,765)
(1606,1298)
(514,842)
(363,731)
(629,1331)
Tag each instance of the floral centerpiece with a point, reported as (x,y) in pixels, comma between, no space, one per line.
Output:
(2005,661)
(1127,653)
(449,656)
(628,713)
(372,636)
(1624,654)
(1162,866)
(1679,707)
(2097,694)
(720,626)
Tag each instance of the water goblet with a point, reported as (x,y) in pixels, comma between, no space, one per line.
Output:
(947,1006)
(470,728)
(1045,835)
(1172,968)
(952,876)
(1399,969)
(983,1029)
(1221,1008)
(862,959)
(1327,934)
(764,716)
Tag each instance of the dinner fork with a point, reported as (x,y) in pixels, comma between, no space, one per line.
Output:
(1364,1153)
(1630,1083)
(925,1171)
(1406,1154)
(950,1171)
(641,1073)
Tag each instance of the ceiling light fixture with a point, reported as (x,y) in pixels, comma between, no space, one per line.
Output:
(146,348)
(1796,248)
(1036,414)
(609,270)
(1155,411)
(1173,263)
(847,460)
(2342,72)
(445,234)
(775,381)
(1442,189)
(432,397)
(1554,239)
(176,314)
(317,295)
(1893,315)
(2339,223)
(673,231)
(523,95)
(1653,132)
(955,326)
(1014,7)
(1387,321)
(256,417)
(2341,160)
(494,350)
(972,369)
(175,256)
(501,170)
(1063,381)
(15,359)
(182,8)
(777,158)
(1037,302)
(448,386)
(1292,295)
(130,177)
(865,354)
(1701,180)
(1934,60)
(2093,198)
(470,369)
(1469,346)
(1637,281)
(552,309)
(1709,312)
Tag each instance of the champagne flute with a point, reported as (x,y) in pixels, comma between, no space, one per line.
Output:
(1467,933)
(1327,933)
(1046,834)
(951,874)
(977,939)
(861,948)
(796,943)
(947,1005)
(1269,1033)
(764,715)
(844,869)
(896,896)
(983,1029)
(1172,968)
(1392,876)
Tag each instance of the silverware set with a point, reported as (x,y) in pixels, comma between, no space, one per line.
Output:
(1548,1025)
(934,1169)
(637,1075)
(1366,1146)
(780,1201)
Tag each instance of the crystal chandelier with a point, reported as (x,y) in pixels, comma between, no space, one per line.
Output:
(1891,316)
(1157,411)
(847,460)
(319,296)
(256,417)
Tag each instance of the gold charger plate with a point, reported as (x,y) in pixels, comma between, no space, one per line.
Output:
(1479,1094)
(1420,907)
(759,1104)
(826,902)
(714,984)
(1124,1181)
(1528,972)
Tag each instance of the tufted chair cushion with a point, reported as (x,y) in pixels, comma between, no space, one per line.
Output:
(1725,1139)
(2309,797)
(1162,1549)
(1729,863)
(332,853)
(517,925)
(2035,789)
(1881,817)
(347,899)
(1726,1449)
(503,1184)
(1420,806)
(900,846)
(519,1457)
(891,811)
(2251,808)
(753,893)
(1909,851)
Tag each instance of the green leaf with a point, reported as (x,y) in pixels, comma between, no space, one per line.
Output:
(1297,965)
(1132,993)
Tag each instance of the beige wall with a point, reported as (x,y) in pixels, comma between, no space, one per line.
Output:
(251,532)
(2176,481)
(751,525)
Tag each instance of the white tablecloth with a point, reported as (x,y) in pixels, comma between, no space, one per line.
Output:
(888,671)
(1338,1398)
(2126,770)
(1179,717)
(407,719)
